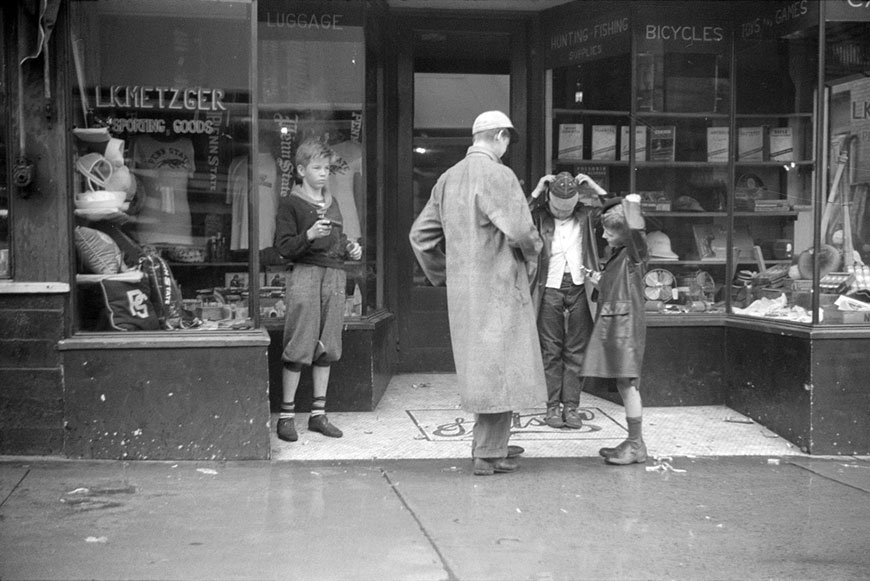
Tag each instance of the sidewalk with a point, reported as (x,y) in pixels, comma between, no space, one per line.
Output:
(556,518)
(723,498)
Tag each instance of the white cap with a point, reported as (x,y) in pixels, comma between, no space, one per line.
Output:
(492,120)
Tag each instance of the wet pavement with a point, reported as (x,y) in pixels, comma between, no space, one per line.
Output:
(716,517)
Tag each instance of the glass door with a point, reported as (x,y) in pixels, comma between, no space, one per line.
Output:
(449,77)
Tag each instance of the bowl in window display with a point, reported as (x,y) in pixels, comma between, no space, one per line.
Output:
(100,200)
(185,253)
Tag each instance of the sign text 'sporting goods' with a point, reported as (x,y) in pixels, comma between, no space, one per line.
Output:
(162,99)
(604,142)
(639,142)
(662,141)
(781,144)
(570,141)
(750,144)
(717,144)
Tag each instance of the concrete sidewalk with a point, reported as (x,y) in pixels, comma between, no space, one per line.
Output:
(789,517)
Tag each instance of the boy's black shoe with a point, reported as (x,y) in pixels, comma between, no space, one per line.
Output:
(322,425)
(573,419)
(554,416)
(287,430)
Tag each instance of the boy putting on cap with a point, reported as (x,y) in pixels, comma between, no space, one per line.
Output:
(308,232)
(562,289)
(617,343)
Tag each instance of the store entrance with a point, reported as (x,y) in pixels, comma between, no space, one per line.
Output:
(452,71)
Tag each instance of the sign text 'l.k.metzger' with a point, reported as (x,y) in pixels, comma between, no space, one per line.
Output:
(170,98)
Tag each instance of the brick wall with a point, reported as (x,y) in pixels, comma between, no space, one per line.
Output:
(31,377)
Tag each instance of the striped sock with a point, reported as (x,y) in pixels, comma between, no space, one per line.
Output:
(288,410)
(318,406)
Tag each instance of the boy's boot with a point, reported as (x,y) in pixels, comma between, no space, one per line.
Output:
(632,450)
(628,452)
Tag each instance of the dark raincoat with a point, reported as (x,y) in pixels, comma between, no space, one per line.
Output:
(618,340)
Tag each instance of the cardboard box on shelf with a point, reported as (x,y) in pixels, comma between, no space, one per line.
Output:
(662,141)
(640,143)
(781,144)
(750,144)
(717,143)
(570,141)
(604,142)
(598,174)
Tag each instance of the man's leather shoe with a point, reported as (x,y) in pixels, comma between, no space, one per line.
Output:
(513,451)
(628,452)
(487,467)
(322,425)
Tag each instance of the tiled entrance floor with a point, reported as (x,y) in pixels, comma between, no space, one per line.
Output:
(419,417)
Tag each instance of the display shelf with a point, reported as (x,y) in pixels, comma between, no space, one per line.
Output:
(607,162)
(807,163)
(706,116)
(174,264)
(112,216)
(679,164)
(590,112)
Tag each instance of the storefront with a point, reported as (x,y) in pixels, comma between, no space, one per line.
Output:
(162,133)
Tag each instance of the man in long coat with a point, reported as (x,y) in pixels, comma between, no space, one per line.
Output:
(478,210)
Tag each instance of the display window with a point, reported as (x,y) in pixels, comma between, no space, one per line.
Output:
(775,164)
(844,229)
(188,118)
(745,140)
(311,69)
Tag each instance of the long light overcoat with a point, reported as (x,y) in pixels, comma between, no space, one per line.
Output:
(477,208)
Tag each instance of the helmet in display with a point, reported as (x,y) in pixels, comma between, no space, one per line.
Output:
(659,245)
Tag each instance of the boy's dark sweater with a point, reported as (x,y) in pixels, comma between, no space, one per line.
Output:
(295,216)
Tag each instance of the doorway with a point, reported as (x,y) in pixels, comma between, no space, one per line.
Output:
(448,72)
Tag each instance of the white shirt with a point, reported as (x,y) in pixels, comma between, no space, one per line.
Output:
(566,253)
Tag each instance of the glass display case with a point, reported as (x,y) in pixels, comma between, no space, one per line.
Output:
(774,165)
(714,119)
(642,109)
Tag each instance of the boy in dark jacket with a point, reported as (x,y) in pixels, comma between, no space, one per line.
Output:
(562,289)
(617,344)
